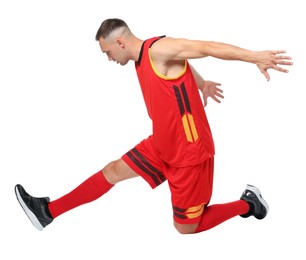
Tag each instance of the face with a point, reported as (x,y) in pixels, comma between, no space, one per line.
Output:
(115,50)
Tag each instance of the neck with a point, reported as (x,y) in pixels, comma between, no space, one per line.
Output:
(136,48)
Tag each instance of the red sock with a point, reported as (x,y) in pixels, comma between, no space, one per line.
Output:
(216,214)
(91,189)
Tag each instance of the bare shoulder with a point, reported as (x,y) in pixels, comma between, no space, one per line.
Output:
(164,57)
(169,48)
(169,41)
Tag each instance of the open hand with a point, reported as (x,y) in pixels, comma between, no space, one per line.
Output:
(272,60)
(211,90)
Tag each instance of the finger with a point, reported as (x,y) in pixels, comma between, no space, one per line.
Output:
(217,100)
(219,90)
(281,57)
(278,51)
(284,62)
(205,102)
(219,95)
(266,74)
(280,69)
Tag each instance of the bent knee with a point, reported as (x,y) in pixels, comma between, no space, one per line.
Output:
(112,173)
(110,167)
(117,171)
(185,228)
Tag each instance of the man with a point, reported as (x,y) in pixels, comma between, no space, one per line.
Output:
(181,148)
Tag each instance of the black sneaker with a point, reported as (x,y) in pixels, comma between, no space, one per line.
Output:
(35,208)
(258,206)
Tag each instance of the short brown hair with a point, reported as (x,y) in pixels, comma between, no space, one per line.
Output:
(108,26)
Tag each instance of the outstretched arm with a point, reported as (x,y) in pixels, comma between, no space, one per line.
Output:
(207,87)
(168,49)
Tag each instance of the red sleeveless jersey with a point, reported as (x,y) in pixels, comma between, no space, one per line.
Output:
(181,132)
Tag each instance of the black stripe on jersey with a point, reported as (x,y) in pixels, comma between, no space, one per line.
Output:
(186,99)
(179,99)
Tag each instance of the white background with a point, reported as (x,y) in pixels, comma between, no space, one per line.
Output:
(66,112)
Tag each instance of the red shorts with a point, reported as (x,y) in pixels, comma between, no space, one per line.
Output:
(191,187)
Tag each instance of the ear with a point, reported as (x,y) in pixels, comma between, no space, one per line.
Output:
(120,43)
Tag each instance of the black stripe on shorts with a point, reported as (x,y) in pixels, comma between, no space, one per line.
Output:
(142,163)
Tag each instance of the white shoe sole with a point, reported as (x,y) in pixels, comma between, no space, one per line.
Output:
(28,212)
(258,195)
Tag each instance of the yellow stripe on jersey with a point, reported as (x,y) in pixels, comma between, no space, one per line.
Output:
(193,128)
(187,128)
(186,114)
